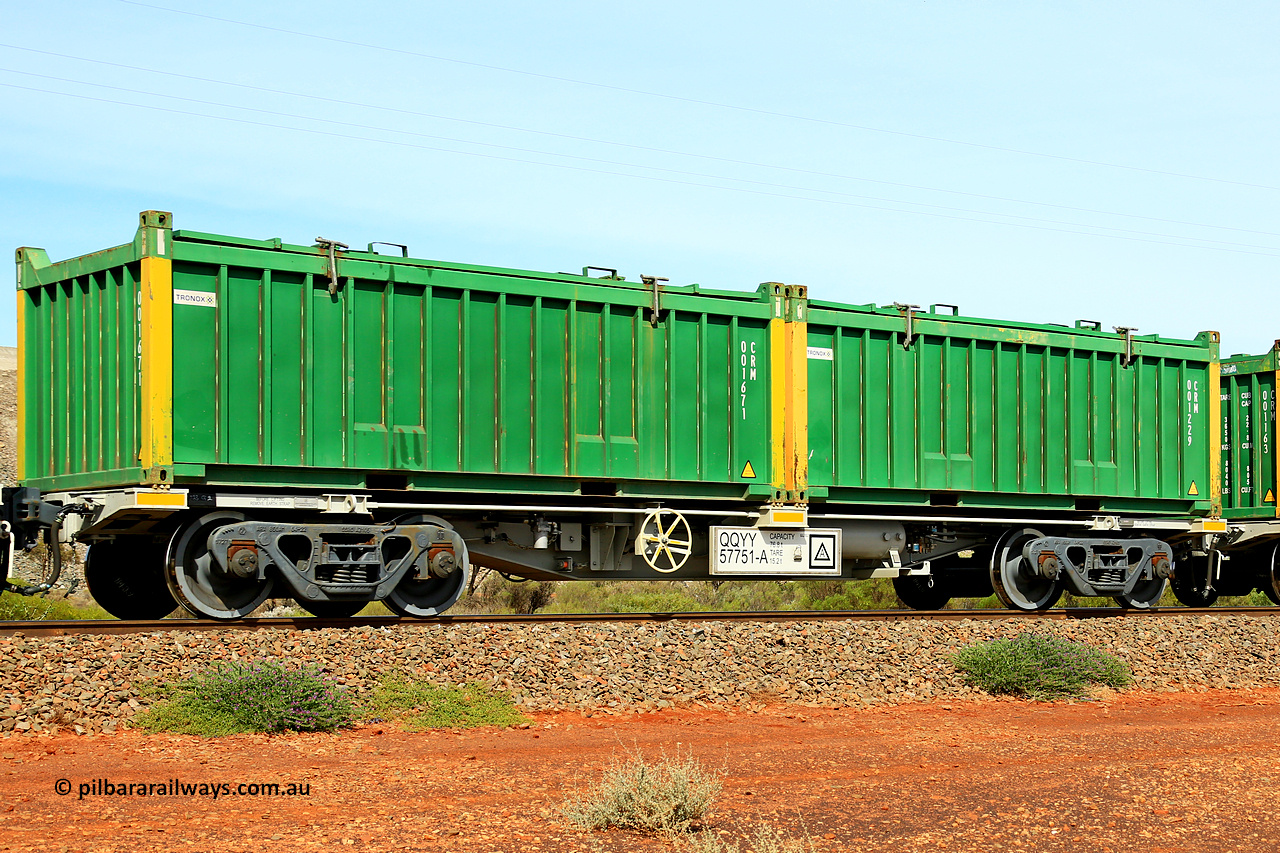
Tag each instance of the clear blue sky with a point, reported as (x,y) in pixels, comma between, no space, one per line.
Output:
(1027,160)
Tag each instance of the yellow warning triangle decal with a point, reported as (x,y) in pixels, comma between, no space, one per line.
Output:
(1270,498)
(1193,490)
(748,473)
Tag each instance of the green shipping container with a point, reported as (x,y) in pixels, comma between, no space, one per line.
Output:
(191,358)
(925,408)
(1249,435)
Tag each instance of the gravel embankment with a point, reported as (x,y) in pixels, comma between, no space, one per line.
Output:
(95,683)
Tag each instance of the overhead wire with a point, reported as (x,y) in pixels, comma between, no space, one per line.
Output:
(602,161)
(1172,241)
(634,146)
(698,101)
(629,165)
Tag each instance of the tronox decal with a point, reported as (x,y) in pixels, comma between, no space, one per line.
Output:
(195,297)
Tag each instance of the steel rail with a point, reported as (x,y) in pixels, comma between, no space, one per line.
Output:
(311,623)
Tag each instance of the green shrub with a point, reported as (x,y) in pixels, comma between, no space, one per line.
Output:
(422,706)
(15,607)
(254,697)
(1039,667)
(990,602)
(876,594)
(740,596)
(494,593)
(624,597)
(1257,598)
(663,797)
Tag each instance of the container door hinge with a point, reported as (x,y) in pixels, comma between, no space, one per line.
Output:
(1127,331)
(332,246)
(908,314)
(655,311)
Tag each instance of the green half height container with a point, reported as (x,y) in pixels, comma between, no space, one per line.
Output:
(191,358)
(929,408)
(1249,477)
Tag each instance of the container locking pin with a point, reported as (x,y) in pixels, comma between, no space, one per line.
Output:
(1127,331)
(333,246)
(656,309)
(908,314)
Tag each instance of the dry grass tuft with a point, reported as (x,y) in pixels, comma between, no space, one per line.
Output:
(663,797)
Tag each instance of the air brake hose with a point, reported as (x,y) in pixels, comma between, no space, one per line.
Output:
(55,556)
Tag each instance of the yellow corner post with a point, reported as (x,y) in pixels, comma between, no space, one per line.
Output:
(796,444)
(155,322)
(1269,424)
(22,384)
(1215,438)
(778,402)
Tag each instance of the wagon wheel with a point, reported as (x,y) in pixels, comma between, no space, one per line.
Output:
(1191,583)
(1015,579)
(1271,585)
(204,587)
(126,577)
(921,592)
(429,595)
(665,541)
(1146,594)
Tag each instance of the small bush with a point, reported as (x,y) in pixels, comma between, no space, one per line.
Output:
(624,597)
(422,706)
(1039,667)
(664,797)
(1257,598)
(765,840)
(258,697)
(874,594)
(491,592)
(15,608)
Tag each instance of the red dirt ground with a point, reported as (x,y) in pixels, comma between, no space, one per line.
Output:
(1133,772)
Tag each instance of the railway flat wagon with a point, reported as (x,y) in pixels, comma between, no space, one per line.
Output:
(224,420)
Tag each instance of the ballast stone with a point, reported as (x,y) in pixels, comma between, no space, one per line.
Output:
(96,683)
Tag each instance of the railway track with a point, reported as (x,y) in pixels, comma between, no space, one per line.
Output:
(305,623)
